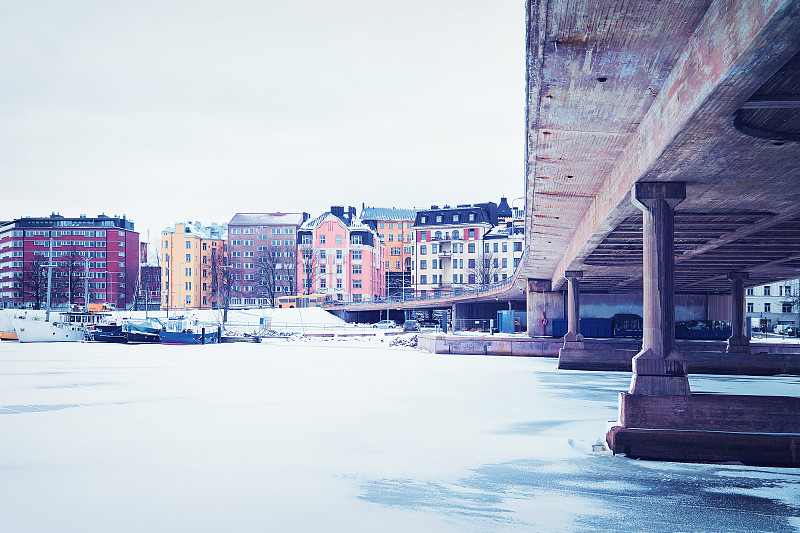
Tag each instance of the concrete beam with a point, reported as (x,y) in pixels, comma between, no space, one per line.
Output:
(712,58)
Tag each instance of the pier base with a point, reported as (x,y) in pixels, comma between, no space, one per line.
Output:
(752,430)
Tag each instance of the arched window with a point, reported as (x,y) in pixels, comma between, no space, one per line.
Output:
(437,235)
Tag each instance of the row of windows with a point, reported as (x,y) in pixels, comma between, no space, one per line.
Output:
(390,225)
(783,290)
(785,308)
(441,218)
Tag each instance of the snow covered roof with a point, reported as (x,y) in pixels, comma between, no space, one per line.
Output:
(387,214)
(347,218)
(198,230)
(267,219)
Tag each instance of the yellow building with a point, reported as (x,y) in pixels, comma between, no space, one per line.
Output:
(192,260)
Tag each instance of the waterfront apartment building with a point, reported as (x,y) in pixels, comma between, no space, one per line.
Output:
(774,304)
(262,248)
(395,227)
(341,257)
(449,247)
(193,261)
(99,254)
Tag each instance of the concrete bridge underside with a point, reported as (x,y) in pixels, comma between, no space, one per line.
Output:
(663,157)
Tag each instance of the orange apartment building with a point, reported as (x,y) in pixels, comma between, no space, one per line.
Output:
(394,227)
(192,257)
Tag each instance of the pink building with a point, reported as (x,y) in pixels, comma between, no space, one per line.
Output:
(341,257)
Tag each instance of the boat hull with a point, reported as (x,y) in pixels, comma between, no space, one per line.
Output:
(41,331)
(142,337)
(180,337)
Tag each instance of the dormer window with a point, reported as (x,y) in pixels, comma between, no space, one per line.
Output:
(472,217)
(423,219)
(456,217)
(438,219)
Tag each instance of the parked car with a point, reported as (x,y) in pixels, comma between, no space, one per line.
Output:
(385,324)
(410,325)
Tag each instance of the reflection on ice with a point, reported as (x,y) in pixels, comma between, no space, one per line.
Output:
(17,409)
(620,494)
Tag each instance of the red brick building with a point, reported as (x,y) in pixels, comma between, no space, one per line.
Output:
(102,251)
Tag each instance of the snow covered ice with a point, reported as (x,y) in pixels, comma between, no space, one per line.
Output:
(333,435)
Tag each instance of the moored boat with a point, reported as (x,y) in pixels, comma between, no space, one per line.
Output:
(143,332)
(106,333)
(70,326)
(183,330)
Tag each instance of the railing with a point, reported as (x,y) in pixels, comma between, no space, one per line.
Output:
(471,290)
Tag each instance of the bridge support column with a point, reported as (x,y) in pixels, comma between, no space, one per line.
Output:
(738,341)
(573,338)
(537,291)
(658,369)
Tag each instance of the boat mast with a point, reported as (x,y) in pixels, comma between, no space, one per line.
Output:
(86,298)
(49,277)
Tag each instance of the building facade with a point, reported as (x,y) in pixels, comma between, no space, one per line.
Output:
(449,248)
(98,256)
(775,304)
(395,227)
(262,248)
(193,265)
(341,257)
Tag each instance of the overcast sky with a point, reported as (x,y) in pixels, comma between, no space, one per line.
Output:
(169,110)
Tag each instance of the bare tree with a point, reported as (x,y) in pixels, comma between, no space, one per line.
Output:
(308,260)
(34,282)
(222,279)
(485,268)
(266,274)
(72,276)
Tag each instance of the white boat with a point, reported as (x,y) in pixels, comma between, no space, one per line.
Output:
(70,327)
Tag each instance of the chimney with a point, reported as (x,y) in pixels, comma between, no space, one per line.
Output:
(338,211)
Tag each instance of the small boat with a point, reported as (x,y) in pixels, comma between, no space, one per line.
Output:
(70,326)
(143,332)
(182,330)
(8,336)
(106,333)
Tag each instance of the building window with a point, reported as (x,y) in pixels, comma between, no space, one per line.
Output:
(423,278)
(438,219)
(472,217)
(518,246)
(505,246)
(423,264)
(357,255)
(423,219)
(338,239)
(766,290)
(423,249)
(750,307)
(321,239)
(787,308)
(188,257)
(338,254)
(471,247)
(356,283)
(357,239)
(188,245)
(766,307)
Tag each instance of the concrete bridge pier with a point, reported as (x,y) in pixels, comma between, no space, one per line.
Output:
(738,341)
(658,369)
(660,418)
(542,305)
